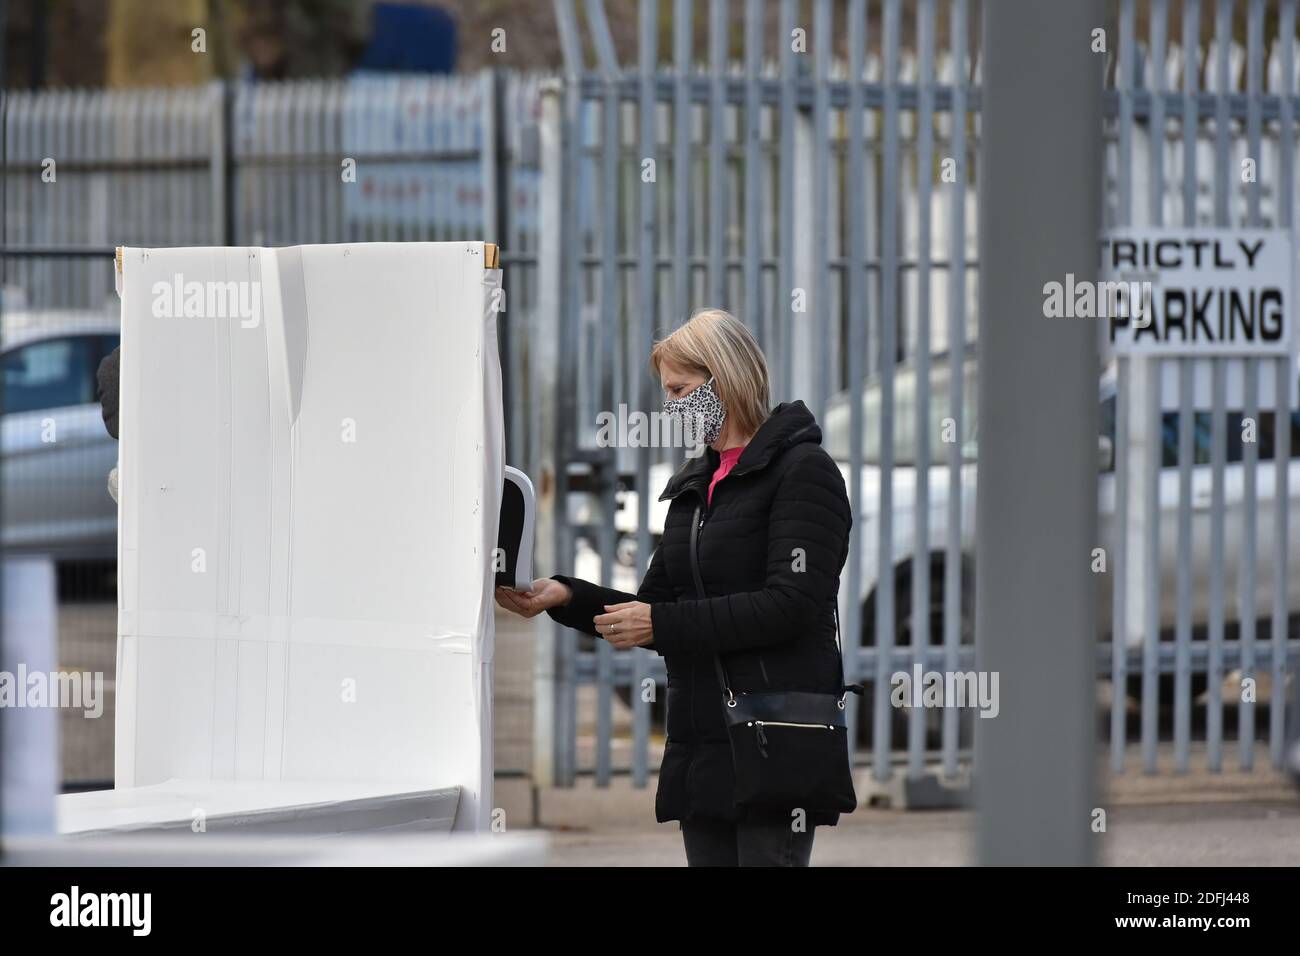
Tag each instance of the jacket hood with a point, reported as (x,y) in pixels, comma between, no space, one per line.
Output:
(789,424)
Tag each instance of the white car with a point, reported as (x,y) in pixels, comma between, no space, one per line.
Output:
(836,440)
(55,453)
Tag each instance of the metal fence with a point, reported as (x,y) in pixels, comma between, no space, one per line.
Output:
(826,195)
(830,204)
(379,158)
(829,201)
(370,158)
(1189,103)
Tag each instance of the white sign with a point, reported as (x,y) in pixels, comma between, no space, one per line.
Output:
(1212,291)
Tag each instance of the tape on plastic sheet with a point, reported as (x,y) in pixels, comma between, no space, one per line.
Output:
(281,629)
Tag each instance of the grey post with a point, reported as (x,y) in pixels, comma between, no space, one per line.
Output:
(1040,196)
(550,510)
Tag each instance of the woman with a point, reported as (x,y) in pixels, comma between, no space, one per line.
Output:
(773,538)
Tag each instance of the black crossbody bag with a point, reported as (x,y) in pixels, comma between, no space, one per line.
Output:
(790,748)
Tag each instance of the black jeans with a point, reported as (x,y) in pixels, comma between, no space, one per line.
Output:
(715,843)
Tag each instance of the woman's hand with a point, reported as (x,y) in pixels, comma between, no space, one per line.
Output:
(544,594)
(626,625)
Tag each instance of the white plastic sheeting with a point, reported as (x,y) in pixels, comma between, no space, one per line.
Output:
(311,467)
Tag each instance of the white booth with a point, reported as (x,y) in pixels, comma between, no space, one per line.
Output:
(311,467)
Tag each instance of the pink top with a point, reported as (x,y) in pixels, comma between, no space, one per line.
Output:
(729,459)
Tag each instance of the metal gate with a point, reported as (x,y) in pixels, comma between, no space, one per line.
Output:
(816,175)
(1196,89)
(823,190)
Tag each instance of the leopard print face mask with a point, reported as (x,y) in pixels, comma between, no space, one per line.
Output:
(700,414)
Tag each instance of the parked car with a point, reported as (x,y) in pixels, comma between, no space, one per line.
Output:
(905,483)
(55,454)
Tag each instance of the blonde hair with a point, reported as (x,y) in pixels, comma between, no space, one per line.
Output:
(717,343)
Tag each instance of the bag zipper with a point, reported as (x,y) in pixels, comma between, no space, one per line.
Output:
(762,737)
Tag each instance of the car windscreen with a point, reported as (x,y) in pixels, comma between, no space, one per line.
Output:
(941,431)
(52,373)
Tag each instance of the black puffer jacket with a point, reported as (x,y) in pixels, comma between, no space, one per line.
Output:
(771,549)
(107,378)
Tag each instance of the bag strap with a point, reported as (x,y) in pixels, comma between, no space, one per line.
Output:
(723,681)
(845,689)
